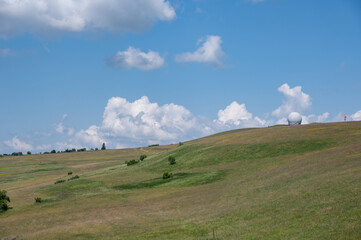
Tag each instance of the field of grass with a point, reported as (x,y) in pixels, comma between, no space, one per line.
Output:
(281,182)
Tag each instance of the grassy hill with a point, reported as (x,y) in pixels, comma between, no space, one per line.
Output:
(299,182)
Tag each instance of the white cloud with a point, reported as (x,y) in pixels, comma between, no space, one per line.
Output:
(43,147)
(43,16)
(133,57)
(356,116)
(18,145)
(70,131)
(60,128)
(141,122)
(65,145)
(90,136)
(294,101)
(314,118)
(143,119)
(210,52)
(236,115)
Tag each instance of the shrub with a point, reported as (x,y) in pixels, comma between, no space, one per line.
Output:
(142,157)
(29,153)
(3,201)
(180,144)
(38,200)
(53,151)
(171,160)
(96,149)
(131,162)
(167,175)
(59,181)
(154,145)
(82,150)
(70,173)
(72,178)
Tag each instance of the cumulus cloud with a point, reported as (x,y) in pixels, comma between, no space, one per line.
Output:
(18,145)
(210,52)
(294,101)
(91,136)
(42,16)
(60,128)
(236,115)
(356,116)
(133,57)
(142,122)
(142,118)
(314,118)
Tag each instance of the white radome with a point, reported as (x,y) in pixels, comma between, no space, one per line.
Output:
(294,118)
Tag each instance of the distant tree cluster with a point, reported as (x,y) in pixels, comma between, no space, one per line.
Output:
(17,154)
(54,151)
(154,145)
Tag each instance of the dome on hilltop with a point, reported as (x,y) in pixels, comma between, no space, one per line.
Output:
(294,118)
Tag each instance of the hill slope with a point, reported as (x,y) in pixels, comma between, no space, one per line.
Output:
(299,182)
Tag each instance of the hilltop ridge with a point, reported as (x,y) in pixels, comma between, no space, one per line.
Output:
(281,182)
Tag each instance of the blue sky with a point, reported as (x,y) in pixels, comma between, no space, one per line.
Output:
(132,73)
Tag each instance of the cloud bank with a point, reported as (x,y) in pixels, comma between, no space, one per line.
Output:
(18,145)
(134,58)
(356,116)
(210,52)
(43,16)
(142,122)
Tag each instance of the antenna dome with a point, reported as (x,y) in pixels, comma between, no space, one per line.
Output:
(294,118)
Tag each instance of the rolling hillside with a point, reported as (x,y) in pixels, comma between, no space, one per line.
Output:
(299,182)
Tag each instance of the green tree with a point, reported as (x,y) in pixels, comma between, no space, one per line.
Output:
(142,157)
(3,201)
(103,146)
(171,160)
(29,153)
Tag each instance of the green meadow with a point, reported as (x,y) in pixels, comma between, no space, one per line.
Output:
(281,182)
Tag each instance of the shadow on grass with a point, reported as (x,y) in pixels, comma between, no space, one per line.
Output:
(179,179)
